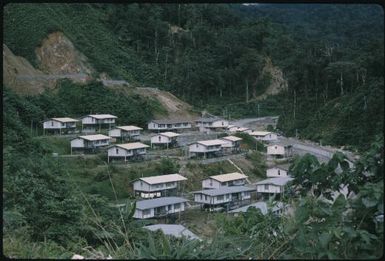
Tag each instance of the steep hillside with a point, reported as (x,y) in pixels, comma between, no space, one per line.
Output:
(20,75)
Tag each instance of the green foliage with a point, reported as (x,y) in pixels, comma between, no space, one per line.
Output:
(258,161)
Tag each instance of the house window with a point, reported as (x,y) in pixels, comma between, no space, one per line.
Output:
(51,123)
(117,151)
(211,182)
(197,145)
(222,123)
(279,172)
(159,138)
(141,183)
(146,212)
(227,196)
(220,198)
(170,184)
(266,187)
(206,197)
(275,147)
(169,207)
(177,206)
(62,124)
(185,124)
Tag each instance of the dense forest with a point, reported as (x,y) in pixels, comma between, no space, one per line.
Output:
(212,56)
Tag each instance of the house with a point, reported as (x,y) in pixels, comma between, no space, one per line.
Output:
(206,147)
(167,139)
(277,208)
(234,129)
(159,207)
(223,197)
(280,150)
(278,171)
(174,230)
(90,142)
(264,135)
(157,186)
(127,150)
(59,125)
(125,132)
(93,121)
(232,143)
(224,180)
(168,125)
(211,123)
(272,185)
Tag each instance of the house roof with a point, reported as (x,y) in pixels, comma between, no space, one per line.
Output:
(163,178)
(95,137)
(279,144)
(102,116)
(209,119)
(224,190)
(261,205)
(64,119)
(173,230)
(228,177)
(158,202)
(283,166)
(231,138)
(281,181)
(231,126)
(241,128)
(132,146)
(211,142)
(259,133)
(169,121)
(169,134)
(129,128)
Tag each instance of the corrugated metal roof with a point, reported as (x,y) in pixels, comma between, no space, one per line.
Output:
(163,178)
(170,121)
(129,128)
(210,119)
(228,177)
(158,202)
(281,181)
(64,119)
(102,116)
(259,133)
(169,134)
(260,205)
(283,167)
(224,190)
(231,138)
(95,137)
(211,142)
(132,146)
(173,230)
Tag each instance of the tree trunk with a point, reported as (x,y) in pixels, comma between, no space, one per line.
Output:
(342,85)
(247,90)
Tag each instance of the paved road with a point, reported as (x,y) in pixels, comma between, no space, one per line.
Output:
(301,147)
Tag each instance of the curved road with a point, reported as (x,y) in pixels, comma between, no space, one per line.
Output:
(300,147)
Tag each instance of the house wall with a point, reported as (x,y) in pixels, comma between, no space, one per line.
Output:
(77,143)
(273,172)
(196,147)
(220,199)
(220,124)
(88,120)
(118,152)
(51,124)
(269,137)
(97,143)
(115,133)
(270,188)
(275,150)
(210,183)
(156,126)
(162,140)
(139,213)
(140,185)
